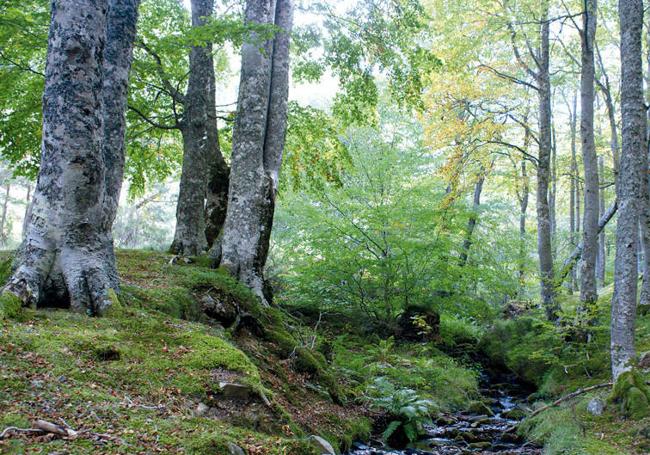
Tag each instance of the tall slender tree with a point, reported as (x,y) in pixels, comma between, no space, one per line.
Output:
(601,262)
(67,255)
(258,143)
(573,200)
(631,184)
(588,285)
(544,247)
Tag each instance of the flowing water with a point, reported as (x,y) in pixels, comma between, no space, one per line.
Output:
(468,433)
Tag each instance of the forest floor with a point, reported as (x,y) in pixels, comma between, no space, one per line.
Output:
(160,374)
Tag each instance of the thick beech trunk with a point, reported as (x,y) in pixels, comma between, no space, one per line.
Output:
(67,255)
(544,246)
(631,184)
(200,143)
(258,142)
(588,286)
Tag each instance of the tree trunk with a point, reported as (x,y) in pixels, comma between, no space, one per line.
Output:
(588,286)
(66,258)
(631,184)
(544,247)
(28,210)
(471,223)
(118,54)
(573,113)
(601,263)
(218,179)
(553,190)
(258,142)
(644,220)
(523,208)
(200,143)
(605,88)
(4,236)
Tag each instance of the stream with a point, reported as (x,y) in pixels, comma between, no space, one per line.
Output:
(466,432)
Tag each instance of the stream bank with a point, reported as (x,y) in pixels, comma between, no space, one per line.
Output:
(470,432)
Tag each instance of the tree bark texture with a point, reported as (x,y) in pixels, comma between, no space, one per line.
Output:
(644,222)
(258,142)
(588,285)
(631,184)
(200,143)
(544,247)
(67,256)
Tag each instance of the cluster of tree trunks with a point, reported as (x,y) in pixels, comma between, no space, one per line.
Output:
(67,257)
(205,173)
(67,254)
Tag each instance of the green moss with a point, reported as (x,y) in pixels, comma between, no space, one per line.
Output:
(10,305)
(6,263)
(285,343)
(632,395)
(346,431)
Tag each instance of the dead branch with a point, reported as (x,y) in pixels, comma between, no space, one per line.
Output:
(570,396)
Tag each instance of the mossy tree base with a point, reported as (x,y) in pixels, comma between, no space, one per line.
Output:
(631,395)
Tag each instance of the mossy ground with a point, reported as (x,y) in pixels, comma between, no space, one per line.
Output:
(139,373)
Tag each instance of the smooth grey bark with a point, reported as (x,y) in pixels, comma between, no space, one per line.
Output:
(473,218)
(544,246)
(601,262)
(200,143)
(588,285)
(258,142)
(67,257)
(631,184)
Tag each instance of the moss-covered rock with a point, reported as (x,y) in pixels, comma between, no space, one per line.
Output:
(478,407)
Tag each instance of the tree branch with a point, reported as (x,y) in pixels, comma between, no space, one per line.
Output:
(152,122)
